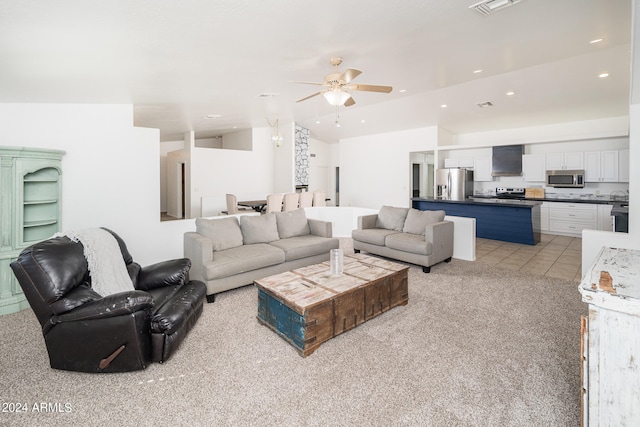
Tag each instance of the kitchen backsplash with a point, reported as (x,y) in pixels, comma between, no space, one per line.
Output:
(605,189)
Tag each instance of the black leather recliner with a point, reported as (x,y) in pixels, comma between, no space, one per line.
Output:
(121,332)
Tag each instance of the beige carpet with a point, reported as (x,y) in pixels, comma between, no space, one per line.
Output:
(475,346)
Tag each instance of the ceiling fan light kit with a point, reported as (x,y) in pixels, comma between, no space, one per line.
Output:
(338,92)
(336,97)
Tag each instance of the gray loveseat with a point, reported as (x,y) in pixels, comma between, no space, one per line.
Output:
(406,234)
(230,252)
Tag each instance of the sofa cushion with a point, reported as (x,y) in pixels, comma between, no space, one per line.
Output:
(391,218)
(408,242)
(224,233)
(305,246)
(375,236)
(241,259)
(292,223)
(418,220)
(259,229)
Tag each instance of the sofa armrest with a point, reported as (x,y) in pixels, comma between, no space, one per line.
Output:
(120,304)
(440,235)
(367,221)
(199,250)
(320,228)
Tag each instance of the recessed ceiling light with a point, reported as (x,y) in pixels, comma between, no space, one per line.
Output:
(317,122)
(595,41)
(603,75)
(477,71)
(511,93)
(363,121)
(403,90)
(443,106)
(213,116)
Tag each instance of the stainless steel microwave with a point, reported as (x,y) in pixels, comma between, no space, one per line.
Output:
(565,178)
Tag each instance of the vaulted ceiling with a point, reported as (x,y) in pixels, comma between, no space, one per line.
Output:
(179,62)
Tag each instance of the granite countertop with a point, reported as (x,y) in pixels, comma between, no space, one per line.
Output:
(487,201)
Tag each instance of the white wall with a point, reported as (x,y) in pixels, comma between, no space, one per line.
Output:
(284,159)
(321,169)
(110,173)
(374,170)
(247,174)
(165,149)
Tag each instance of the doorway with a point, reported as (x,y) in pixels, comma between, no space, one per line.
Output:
(416,180)
(337,186)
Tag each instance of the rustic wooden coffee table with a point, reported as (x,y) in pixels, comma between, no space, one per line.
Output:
(308,306)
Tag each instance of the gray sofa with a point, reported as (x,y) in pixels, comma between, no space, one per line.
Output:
(406,234)
(230,252)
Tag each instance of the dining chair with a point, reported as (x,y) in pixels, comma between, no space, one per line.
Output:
(319,198)
(306,199)
(274,202)
(291,201)
(232,205)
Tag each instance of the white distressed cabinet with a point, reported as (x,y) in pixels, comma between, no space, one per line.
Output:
(610,347)
(30,211)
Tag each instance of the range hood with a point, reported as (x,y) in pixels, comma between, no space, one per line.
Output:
(507,160)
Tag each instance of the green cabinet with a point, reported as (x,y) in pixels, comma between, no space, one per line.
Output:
(30,211)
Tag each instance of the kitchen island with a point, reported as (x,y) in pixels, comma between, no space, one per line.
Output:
(516,221)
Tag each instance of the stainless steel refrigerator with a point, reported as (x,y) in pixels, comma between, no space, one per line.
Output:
(454,184)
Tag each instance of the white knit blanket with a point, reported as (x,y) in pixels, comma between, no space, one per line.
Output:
(106,266)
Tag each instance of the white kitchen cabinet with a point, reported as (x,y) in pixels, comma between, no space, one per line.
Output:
(461,162)
(610,344)
(601,166)
(571,218)
(557,161)
(544,217)
(623,166)
(482,169)
(533,167)
(605,220)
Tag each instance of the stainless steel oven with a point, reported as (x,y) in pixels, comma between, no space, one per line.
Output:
(565,178)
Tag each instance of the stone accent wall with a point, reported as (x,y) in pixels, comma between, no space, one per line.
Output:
(302,156)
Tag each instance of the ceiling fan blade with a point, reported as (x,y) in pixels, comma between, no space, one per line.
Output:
(371,88)
(350,74)
(310,83)
(310,96)
(349,102)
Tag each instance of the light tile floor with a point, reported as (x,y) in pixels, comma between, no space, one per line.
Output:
(554,256)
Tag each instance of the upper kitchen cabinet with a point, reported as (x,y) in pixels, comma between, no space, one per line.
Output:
(601,166)
(462,162)
(482,169)
(623,166)
(558,161)
(533,167)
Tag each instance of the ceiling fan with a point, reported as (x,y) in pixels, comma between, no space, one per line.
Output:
(339,86)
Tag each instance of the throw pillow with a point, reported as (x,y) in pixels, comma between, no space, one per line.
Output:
(224,233)
(418,220)
(391,218)
(259,229)
(292,223)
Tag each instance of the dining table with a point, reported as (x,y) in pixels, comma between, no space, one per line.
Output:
(256,205)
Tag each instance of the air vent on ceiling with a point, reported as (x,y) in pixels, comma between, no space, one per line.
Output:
(487,7)
(485,104)
(267,95)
